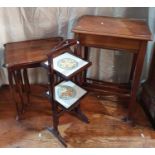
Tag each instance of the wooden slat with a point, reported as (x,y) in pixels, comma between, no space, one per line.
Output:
(108,84)
(107,88)
(105,91)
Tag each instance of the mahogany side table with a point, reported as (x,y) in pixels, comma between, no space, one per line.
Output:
(22,55)
(126,35)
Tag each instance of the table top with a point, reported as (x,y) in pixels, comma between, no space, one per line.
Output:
(112,26)
(28,52)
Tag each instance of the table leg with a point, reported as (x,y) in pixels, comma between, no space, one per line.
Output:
(11,85)
(27,85)
(78,78)
(132,67)
(18,85)
(82,76)
(136,78)
(54,130)
(19,74)
(86,50)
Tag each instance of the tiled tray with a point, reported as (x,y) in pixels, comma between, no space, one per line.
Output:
(67,63)
(67,93)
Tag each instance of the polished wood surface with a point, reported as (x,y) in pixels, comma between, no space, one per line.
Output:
(105,129)
(120,34)
(109,42)
(57,109)
(115,27)
(22,55)
(28,52)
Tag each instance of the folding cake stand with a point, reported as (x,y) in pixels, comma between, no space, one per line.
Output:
(65,71)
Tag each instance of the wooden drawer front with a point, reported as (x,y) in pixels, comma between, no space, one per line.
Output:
(109,42)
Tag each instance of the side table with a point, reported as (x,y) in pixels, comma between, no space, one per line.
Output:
(121,34)
(22,55)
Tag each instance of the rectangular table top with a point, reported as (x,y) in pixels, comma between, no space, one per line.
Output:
(28,52)
(111,26)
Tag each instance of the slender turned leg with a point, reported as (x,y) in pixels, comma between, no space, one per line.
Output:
(19,88)
(10,79)
(136,80)
(54,130)
(27,85)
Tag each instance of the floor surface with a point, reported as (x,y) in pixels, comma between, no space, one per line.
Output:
(106,128)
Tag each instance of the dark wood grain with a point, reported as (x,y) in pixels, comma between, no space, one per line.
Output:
(109,42)
(74,109)
(22,55)
(28,52)
(126,35)
(113,27)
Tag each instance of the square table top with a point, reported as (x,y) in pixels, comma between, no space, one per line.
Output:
(28,52)
(112,26)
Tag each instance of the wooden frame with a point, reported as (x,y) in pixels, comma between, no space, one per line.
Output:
(18,57)
(125,35)
(57,108)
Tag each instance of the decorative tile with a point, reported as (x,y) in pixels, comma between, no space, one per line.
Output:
(67,93)
(67,63)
